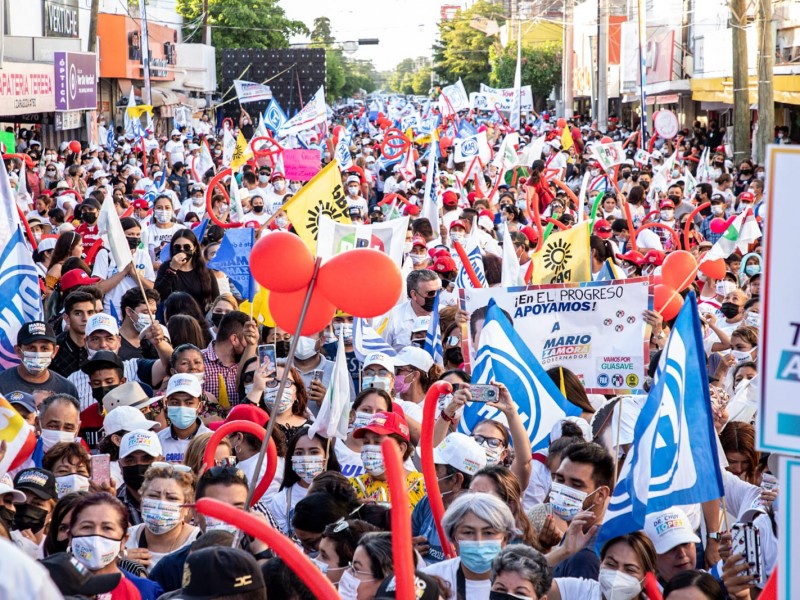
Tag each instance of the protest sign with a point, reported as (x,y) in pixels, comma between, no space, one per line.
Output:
(248,91)
(779,417)
(456,96)
(789,526)
(505,97)
(469,148)
(595,329)
(388,237)
(301,165)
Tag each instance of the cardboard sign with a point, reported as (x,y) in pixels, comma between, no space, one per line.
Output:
(301,165)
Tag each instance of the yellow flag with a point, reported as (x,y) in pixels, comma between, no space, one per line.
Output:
(323,195)
(241,153)
(565,256)
(137,111)
(566,138)
(260,308)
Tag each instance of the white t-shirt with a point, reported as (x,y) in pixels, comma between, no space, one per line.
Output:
(175,449)
(22,577)
(282,504)
(574,587)
(349,460)
(105,267)
(135,533)
(175,150)
(156,237)
(188,206)
(358,202)
(475,589)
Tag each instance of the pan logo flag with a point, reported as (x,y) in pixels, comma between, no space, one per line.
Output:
(564,257)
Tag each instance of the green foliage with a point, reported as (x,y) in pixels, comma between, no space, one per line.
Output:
(411,77)
(462,51)
(321,33)
(541,69)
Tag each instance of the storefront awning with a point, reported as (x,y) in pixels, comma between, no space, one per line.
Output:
(785,89)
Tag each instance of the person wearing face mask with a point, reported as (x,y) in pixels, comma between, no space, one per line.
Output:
(457,459)
(423,285)
(306,457)
(479,526)
(730,314)
(520,572)
(337,547)
(458,232)
(717,212)
(625,561)
(88,229)
(343,324)
(105,373)
(372,563)
(273,200)
(354,198)
(418,255)
(138,449)
(136,318)
(196,203)
(70,464)
(174,148)
(315,370)
(221,306)
(666,217)
(370,401)
(162,229)
(183,401)
(125,409)
(36,346)
(32,515)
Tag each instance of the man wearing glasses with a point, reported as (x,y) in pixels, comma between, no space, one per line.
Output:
(183,401)
(422,286)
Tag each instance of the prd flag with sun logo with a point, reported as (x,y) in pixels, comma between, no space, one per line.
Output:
(323,195)
(565,256)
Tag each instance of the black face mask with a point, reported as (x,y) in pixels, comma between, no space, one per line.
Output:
(61,545)
(418,343)
(644,184)
(675,199)
(6,516)
(501,596)
(257,208)
(729,309)
(428,304)
(626,174)
(98,393)
(133,476)
(216,318)
(282,349)
(29,517)
(454,355)
(89,218)
(133,242)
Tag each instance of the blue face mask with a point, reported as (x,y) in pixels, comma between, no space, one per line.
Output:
(182,416)
(478,556)
(751,270)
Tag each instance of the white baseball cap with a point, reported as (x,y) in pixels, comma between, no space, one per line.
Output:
(353,179)
(140,439)
(184,382)
(669,528)
(126,418)
(414,357)
(7,487)
(98,174)
(420,323)
(380,359)
(461,452)
(101,322)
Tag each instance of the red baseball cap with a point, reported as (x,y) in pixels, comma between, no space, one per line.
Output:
(443,264)
(418,240)
(530,233)
(140,203)
(602,229)
(243,412)
(471,197)
(450,198)
(667,204)
(632,256)
(486,213)
(385,423)
(76,277)
(654,257)
(747,197)
(458,223)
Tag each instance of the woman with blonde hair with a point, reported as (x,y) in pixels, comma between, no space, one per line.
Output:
(197,449)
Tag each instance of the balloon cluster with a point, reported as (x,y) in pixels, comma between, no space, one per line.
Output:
(677,273)
(362,282)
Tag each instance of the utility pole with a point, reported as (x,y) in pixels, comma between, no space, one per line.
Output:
(207,41)
(766,64)
(602,65)
(741,94)
(95,8)
(567,68)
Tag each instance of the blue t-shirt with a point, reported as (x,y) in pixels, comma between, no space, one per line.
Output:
(148,590)
(585,563)
(422,523)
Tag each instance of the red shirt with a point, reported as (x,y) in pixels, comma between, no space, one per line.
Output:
(90,234)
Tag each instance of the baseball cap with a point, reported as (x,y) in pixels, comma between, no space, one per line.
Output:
(380,359)
(243,412)
(425,588)
(450,198)
(747,197)
(126,418)
(76,277)
(458,223)
(35,331)
(418,240)
(40,482)
(632,256)
(23,399)
(7,487)
(385,423)
(129,393)
(48,242)
(414,357)
(276,175)
(175,132)
(101,322)
(184,382)
(235,572)
(669,528)
(602,229)
(420,323)
(443,264)
(99,173)
(140,439)
(140,203)
(654,257)
(461,452)
(103,359)
(717,198)
(353,179)
(72,578)
(485,222)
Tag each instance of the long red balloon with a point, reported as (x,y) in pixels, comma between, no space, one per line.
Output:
(259,432)
(298,562)
(689,223)
(402,547)
(428,466)
(467,265)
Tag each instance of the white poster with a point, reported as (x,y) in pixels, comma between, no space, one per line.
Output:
(594,329)
(456,95)
(505,97)
(475,145)
(388,237)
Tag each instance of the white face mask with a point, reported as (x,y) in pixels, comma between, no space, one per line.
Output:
(348,586)
(282,222)
(160,516)
(163,216)
(36,362)
(213,524)
(271,395)
(66,484)
(362,419)
(457,237)
(407,246)
(308,467)
(352,190)
(718,209)
(142,322)
(753,319)
(667,214)
(566,501)
(95,551)
(616,585)
(418,259)
(372,457)
(51,437)
(306,348)
(742,355)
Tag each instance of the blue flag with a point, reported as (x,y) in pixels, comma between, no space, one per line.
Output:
(233,259)
(366,340)
(474,254)
(673,460)
(433,337)
(274,117)
(504,357)
(465,129)
(156,189)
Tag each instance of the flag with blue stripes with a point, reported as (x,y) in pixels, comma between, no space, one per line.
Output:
(504,357)
(366,340)
(474,254)
(433,337)
(21,300)
(274,117)
(674,458)
(466,129)
(608,272)
(156,189)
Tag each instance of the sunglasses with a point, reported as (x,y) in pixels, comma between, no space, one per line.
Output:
(431,294)
(183,247)
(174,467)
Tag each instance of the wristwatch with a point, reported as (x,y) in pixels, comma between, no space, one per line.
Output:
(717,536)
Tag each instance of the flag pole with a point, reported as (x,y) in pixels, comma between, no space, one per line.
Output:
(616,445)
(141,287)
(282,385)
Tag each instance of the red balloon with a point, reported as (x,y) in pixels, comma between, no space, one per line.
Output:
(444,144)
(655,279)
(606,140)
(281,262)
(666,303)
(679,270)
(285,309)
(561,123)
(75,147)
(715,269)
(363,282)
(721,225)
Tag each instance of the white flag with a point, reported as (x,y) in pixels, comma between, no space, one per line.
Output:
(237,210)
(228,146)
(248,91)
(312,114)
(109,226)
(511,270)
(334,413)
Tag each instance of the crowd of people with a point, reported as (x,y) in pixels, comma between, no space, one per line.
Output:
(129,372)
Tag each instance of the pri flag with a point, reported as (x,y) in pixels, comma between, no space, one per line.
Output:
(314,113)
(673,460)
(608,155)
(565,256)
(740,234)
(247,91)
(504,357)
(233,259)
(388,237)
(323,195)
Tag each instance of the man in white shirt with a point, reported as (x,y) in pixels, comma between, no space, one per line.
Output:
(354,197)
(274,199)
(174,148)
(422,287)
(184,399)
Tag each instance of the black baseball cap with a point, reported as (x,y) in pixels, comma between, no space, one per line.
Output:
(103,359)
(425,588)
(40,482)
(72,578)
(717,198)
(236,571)
(35,331)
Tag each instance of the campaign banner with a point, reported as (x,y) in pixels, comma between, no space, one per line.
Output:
(456,96)
(300,164)
(594,329)
(248,91)
(75,80)
(473,146)
(505,97)
(609,155)
(388,237)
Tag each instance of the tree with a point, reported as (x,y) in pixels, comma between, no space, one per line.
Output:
(321,33)
(463,51)
(240,24)
(541,69)
(411,76)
